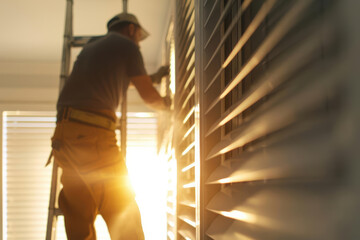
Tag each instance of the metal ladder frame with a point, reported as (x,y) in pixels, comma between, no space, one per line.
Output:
(69,42)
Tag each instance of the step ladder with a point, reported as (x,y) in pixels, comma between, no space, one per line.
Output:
(71,41)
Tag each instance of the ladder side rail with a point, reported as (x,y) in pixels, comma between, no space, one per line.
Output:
(123,120)
(80,41)
(64,71)
(125,6)
(51,224)
(68,35)
(123,124)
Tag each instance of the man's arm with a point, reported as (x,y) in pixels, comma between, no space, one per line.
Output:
(148,92)
(161,72)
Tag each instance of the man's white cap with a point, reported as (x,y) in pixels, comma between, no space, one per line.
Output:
(130,18)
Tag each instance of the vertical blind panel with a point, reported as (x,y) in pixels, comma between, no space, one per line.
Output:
(273,95)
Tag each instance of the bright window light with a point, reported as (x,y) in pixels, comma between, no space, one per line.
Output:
(147,174)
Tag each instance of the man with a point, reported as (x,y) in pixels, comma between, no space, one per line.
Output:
(94,178)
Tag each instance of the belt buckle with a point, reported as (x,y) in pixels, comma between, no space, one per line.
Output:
(66,113)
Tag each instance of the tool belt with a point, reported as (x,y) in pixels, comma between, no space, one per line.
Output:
(89,118)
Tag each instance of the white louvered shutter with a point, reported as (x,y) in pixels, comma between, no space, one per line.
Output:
(166,136)
(185,119)
(273,98)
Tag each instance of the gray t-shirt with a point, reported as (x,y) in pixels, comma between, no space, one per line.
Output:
(101,72)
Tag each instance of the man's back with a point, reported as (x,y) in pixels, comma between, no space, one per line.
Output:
(101,72)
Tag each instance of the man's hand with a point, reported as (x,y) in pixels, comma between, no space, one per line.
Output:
(167,101)
(161,72)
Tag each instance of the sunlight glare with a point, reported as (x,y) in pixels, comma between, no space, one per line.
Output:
(147,175)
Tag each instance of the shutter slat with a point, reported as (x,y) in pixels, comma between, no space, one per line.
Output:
(190,130)
(188,203)
(223,38)
(188,167)
(211,12)
(191,48)
(220,20)
(187,67)
(188,78)
(187,232)
(184,93)
(185,47)
(280,211)
(189,185)
(189,95)
(182,20)
(189,219)
(226,34)
(188,148)
(260,16)
(189,114)
(285,160)
(186,38)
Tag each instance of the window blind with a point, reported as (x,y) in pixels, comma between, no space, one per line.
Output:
(26,137)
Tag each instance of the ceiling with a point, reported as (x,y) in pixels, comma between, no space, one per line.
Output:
(32,31)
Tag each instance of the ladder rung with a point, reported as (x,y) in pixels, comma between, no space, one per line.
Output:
(80,41)
(55,211)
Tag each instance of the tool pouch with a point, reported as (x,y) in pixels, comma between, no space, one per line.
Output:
(55,145)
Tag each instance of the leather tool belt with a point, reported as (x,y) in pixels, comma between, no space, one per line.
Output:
(90,118)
